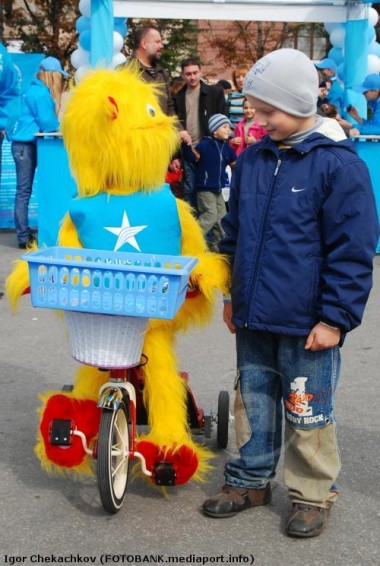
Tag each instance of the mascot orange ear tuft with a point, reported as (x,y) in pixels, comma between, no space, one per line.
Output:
(112,108)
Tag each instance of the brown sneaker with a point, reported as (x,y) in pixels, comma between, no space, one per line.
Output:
(231,500)
(306,520)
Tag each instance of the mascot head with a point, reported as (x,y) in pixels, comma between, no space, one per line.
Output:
(117,138)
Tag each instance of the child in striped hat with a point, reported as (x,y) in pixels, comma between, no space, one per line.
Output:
(211,157)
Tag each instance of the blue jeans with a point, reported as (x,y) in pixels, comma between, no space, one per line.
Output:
(25,158)
(189,193)
(1,146)
(275,375)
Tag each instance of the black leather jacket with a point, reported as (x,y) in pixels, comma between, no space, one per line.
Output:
(211,101)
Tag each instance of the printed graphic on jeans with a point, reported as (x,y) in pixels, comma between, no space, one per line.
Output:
(299,411)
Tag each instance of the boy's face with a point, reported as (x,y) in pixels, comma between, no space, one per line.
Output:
(222,133)
(278,124)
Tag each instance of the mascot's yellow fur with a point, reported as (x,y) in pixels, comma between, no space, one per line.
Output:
(119,142)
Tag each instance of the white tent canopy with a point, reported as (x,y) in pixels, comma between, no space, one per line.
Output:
(255,10)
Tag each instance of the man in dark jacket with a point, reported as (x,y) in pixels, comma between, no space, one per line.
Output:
(147,52)
(194,104)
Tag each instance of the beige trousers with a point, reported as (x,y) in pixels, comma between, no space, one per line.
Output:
(312,465)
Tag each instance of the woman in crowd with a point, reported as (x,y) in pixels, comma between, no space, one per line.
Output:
(236,97)
(39,109)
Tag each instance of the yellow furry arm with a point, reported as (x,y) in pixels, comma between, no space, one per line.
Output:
(212,270)
(17,283)
(68,235)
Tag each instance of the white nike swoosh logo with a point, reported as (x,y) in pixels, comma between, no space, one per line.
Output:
(294,190)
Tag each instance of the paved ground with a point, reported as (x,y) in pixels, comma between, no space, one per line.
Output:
(49,520)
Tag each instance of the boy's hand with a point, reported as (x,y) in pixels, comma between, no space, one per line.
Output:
(236,141)
(185,137)
(227,317)
(249,140)
(322,337)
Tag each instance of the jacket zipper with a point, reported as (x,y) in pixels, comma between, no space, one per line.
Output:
(220,152)
(262,234)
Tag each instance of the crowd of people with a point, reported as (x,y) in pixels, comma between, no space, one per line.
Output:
(300,232)
(187,96)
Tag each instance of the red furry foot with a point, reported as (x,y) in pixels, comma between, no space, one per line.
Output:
(85,416)
(184,459)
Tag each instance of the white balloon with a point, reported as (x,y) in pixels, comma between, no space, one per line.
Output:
(81,73)
(85,8)
(373,17)
(118,42)
(337,36)
(118,59)
(373,64)
(80,57)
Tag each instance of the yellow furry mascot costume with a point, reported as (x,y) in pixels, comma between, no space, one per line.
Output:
(119,144)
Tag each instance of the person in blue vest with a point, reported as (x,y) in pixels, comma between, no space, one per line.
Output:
(8,91)
(335,96)
(371,91)
(301,233)
(40,105)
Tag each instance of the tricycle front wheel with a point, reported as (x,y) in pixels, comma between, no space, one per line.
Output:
(113,457)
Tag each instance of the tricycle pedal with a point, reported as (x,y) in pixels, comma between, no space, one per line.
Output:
(164,474)
(60,432)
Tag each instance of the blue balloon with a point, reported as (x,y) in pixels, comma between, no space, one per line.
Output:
(371,34)
(340,71)
(85,40)
(336,54)
(120,25)
(83,23)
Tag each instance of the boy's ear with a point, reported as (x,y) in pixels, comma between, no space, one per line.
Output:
(112,109)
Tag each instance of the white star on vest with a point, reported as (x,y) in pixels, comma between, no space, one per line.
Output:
(125,233)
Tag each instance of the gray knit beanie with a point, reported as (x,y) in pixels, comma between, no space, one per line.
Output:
(285,79)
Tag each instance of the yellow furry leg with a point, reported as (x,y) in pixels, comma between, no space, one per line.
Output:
(165,396)
(88,382)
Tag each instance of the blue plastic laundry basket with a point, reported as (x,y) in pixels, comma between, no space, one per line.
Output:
(105,282)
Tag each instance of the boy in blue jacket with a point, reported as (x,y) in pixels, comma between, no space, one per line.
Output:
(300,232)
(211,157)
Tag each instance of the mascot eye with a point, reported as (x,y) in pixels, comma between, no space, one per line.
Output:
(151,110)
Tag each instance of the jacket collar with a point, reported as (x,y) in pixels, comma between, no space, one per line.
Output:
(307,145)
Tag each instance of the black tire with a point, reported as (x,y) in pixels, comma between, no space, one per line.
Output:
(112,463)
(223,419)
(207,421)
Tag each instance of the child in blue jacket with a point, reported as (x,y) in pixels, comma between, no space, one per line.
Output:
(301,232)
(211,156)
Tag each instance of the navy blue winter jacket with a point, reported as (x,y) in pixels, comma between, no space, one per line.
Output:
(301,232)
(211,157)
